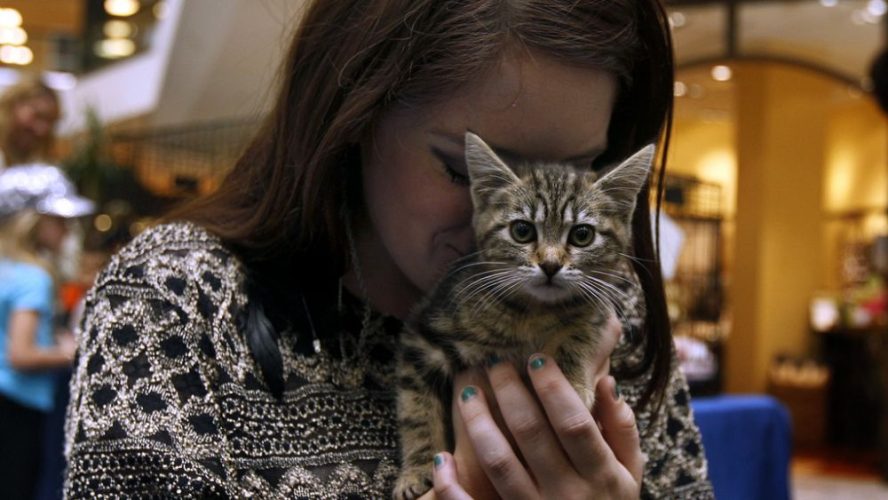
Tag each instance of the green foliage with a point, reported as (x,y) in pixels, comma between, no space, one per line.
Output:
(91,166)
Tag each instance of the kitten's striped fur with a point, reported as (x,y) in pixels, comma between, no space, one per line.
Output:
(502,300)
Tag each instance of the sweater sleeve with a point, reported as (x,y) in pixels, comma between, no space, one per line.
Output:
(676,466)
(145,414)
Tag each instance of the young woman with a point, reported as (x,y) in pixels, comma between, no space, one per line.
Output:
(249,350)
(35,202)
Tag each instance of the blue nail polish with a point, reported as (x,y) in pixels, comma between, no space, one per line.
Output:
(537,362)
(493,360)
(468,393)
(439,460)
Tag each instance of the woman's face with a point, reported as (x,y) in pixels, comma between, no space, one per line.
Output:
(51,232)
(414,173)
(32,121)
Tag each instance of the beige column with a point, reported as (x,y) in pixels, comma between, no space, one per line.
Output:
(781,134)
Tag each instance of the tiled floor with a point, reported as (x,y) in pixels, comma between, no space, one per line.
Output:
(834,475)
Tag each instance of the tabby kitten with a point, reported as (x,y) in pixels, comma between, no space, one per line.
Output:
(551,268)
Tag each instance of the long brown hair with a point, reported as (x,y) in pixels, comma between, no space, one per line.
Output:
(350,60)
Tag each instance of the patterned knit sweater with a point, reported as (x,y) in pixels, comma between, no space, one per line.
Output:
(167,401)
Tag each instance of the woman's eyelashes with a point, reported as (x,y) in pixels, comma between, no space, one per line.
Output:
(452,167)
(455,176)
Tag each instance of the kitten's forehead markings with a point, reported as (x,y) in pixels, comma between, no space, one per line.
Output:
(540,215)
(525,213)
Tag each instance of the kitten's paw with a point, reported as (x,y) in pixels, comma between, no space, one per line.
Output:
(412,483)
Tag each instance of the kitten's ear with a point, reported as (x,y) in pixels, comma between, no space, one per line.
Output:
(623,182)
(487,172)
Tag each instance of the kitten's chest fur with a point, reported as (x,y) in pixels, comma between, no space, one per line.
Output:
(466,327)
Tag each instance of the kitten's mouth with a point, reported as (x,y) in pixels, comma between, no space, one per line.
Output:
(546,290)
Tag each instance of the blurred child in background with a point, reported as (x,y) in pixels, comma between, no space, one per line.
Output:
(35,203)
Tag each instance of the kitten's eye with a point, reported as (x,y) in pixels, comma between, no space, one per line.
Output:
(522,231)
(581,235)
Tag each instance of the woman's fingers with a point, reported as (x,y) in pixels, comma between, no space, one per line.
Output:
(618,427)
(570,419)
(492,449)
(447,485)
(529,427)
(471,476)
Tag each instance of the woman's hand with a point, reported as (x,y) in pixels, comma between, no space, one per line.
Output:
(540,443)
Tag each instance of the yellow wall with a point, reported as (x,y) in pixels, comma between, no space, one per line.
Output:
(856,179)
(797,151)
(705,150)
(856,176)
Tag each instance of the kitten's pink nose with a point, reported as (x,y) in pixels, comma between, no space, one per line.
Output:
(550,268)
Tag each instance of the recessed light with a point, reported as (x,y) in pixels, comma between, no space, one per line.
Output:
(680,89)
(721,73)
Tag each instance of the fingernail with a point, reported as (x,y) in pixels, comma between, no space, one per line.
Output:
(617,393)
(537,362)
(493,360)
(468,393)
(439,460)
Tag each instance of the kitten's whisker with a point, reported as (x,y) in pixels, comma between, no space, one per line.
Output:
(487,287)
(636,259)
(593,297)
(613,275)
(497,292)
(616,304)
(607,290)
(474,264)
(466,258)
(480,283)
(606,285)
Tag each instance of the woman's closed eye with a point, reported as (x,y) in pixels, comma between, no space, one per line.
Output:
(453,167)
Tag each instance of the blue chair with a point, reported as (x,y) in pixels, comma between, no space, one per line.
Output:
(748,443)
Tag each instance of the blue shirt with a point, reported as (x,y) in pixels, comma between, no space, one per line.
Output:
(25,287)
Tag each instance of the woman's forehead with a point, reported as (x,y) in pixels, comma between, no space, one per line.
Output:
(533,107)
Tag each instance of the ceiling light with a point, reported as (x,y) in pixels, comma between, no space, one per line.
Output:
(680,89)
(677,19)
(115,28)
(161,9)
(103,223)
(10,18)
(829,3)
(13,35)
(122,8)
(877,7)
(721,73)
(59,80)
(11,54)
(114,48)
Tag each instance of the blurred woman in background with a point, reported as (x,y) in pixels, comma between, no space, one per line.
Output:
(29,111)
(35,203)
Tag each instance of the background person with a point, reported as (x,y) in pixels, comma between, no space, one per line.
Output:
(29,111)
(35,203)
